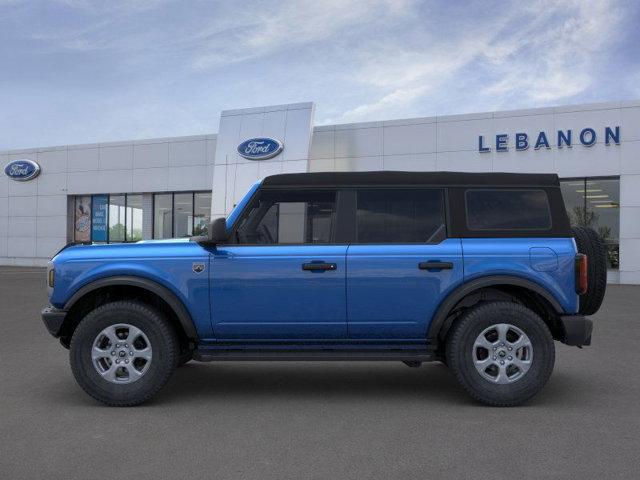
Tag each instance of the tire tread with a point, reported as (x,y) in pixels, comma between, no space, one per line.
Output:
(166,330)
(455,342)
(589,242)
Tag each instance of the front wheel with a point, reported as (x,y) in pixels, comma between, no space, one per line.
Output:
(501,353)
(123,353)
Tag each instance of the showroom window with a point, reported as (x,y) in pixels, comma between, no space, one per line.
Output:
(82,219)
(117,218)
(108,218)
(595,203)
(182,214)
(134,218)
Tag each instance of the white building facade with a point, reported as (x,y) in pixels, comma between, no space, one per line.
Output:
(171,187)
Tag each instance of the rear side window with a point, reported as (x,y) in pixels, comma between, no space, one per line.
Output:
(492,209)
(400,216)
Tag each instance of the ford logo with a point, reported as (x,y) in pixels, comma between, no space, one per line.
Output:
(22,170)
(260,148)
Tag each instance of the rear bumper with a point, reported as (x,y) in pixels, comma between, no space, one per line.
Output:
(577,330)
(53,319)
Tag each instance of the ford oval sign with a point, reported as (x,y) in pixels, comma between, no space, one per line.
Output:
(260,148)
(22,170)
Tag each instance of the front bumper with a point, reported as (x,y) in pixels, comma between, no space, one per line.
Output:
(53,319)
(577,330)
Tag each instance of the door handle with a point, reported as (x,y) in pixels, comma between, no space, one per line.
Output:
(319,266)
(431,265)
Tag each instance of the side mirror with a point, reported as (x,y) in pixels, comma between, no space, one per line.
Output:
(218,231)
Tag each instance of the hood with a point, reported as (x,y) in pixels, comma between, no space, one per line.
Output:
(141,249)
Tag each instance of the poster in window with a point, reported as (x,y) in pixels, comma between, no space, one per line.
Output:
(99,214)
(82,220)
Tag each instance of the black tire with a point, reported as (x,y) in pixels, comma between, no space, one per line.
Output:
(184,358)
(590,243)
(460,352)
(163,342)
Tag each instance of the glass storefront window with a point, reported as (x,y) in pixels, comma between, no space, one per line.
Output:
(183,215)
(201,213)
(105,218)
(117,218)
(595,203)
(134,218)
(162,215)
(82,219)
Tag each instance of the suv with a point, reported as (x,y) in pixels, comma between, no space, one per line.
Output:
(479,271)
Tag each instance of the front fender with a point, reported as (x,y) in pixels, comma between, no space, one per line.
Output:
(178,307)
(169,274)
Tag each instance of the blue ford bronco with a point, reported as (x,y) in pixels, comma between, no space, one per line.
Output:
(479,271)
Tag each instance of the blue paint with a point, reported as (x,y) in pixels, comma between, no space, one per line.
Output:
(253,293)
(22,170)
(389,297)
(512,256)
(237,210)
(501,142)
(543,259)
(261,292)
(481,147)
(564,138)
(168,263)
(612,135)
(260,148)
(542,141)
(99,206)
(522,141)
(592,137)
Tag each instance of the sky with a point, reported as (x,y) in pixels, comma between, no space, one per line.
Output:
(80,71)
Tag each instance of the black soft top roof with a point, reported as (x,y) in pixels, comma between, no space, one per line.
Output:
(413,178)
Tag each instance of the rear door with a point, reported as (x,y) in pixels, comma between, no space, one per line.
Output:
(401,265)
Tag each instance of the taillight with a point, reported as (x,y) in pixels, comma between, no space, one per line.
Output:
(582,279)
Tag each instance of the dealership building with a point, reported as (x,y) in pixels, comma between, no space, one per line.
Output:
(171,187)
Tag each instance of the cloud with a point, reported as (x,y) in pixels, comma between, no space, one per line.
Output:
(398,98)
(543,52)
(255,33)
(555,63)
(85,71)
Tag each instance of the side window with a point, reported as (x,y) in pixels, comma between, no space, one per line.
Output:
(400,216)
(288,217)
(491,209)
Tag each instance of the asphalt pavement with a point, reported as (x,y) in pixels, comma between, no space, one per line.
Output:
(319,420)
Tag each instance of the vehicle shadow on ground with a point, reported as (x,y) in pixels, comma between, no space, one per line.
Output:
(241,381)
(311,380)
(429,383)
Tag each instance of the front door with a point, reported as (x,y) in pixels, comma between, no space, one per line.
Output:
(281,277)
(401,265)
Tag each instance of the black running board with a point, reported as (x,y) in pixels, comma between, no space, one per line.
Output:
(215,355)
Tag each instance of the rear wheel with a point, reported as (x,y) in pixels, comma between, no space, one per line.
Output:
(501,353)
(123,353)
(589,242)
